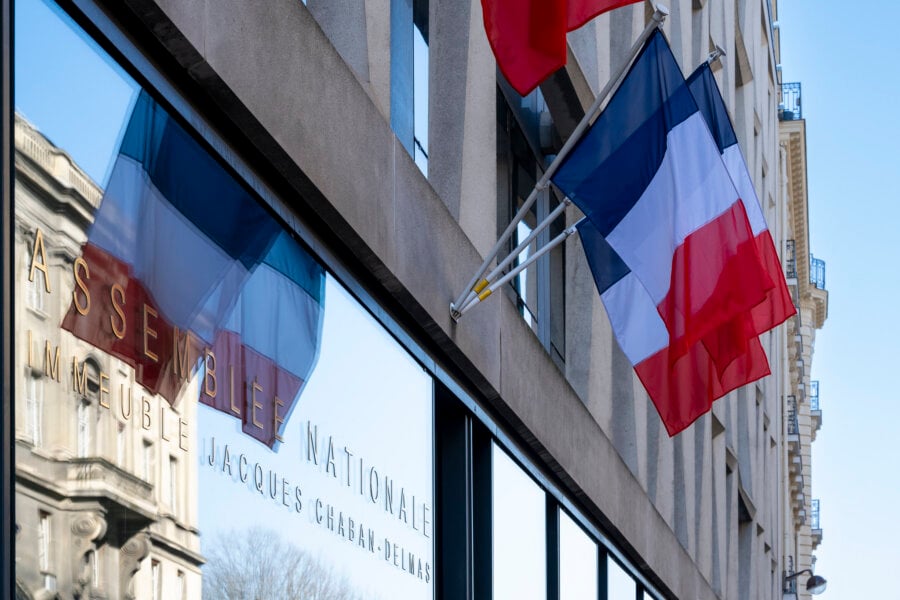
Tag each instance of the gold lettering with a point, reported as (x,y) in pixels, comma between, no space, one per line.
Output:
(79,379)
(104,389)
(145,412)
(148,332)
(117,289)
(182,357)
(126,415)
(83,309)
(182,434)
(40,266)
(51,366)
(162,422)
(235,409)
(278,419)
(254,404)
(209,382)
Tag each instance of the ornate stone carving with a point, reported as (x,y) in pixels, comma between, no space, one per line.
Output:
(132,553)
(88,528)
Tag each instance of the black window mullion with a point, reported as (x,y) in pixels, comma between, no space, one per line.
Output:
(454,498)
(553,550)
(7,150)
(602,575)
(482,506)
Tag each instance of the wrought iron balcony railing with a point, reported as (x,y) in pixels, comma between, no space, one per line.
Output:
(793,426)
(817,272)
(814,515)
(790,107)
(790,257)
(814,395)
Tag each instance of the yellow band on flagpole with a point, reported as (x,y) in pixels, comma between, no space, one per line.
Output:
(484,294)
(480,286)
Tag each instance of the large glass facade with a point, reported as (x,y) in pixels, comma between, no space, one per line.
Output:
(202,411)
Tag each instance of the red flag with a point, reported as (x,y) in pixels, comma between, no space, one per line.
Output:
(529,36)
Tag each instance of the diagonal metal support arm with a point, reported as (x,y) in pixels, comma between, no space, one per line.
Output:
(478,283)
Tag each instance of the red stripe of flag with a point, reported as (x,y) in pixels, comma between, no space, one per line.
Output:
(528,37)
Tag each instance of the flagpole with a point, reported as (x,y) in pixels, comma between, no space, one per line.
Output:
(559,239)
(518,250)
(477,283)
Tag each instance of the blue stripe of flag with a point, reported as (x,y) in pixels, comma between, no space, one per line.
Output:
(288,258)
(706,93)
(606,265)
(611,166)
(195,184)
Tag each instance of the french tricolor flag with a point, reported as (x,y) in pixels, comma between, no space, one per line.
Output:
(181,258)
(778,305)
(669,241)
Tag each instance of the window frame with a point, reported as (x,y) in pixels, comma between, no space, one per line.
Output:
(479,425)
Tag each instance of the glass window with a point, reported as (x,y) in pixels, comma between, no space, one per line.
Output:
(155,580)
(173,484)
(578,562)
(84,428)
(519,531)
(420,83)
(147,461)
(539,289)
(274,416)
(34,409)
(34,292)
(619,584)
(44,541)
(409,77)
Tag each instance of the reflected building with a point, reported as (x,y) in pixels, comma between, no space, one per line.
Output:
(512,453)
(106,493)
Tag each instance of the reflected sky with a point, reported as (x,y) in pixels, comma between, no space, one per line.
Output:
(69,89)
(368,403)
(577,561)
(371,399)
(620,585)
(519,531)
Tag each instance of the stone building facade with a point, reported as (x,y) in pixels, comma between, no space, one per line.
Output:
(382,136)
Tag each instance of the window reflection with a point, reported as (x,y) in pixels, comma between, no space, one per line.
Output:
(343,470)
(519,531)
(620,585)
(577,562)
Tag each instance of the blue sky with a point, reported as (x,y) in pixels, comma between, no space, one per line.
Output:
(845,57)
(845,62)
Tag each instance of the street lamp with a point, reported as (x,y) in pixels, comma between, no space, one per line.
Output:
(814,585)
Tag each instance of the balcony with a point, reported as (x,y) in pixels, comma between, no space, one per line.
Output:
(790,107)
(790,260)
(793,427)
(817,272)
(815,411)
(814,524)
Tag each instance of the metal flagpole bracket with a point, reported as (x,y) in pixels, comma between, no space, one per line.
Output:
(715,55)
(478,285)
(660,12)
(485,293)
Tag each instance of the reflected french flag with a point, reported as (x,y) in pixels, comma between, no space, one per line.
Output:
(183,260)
